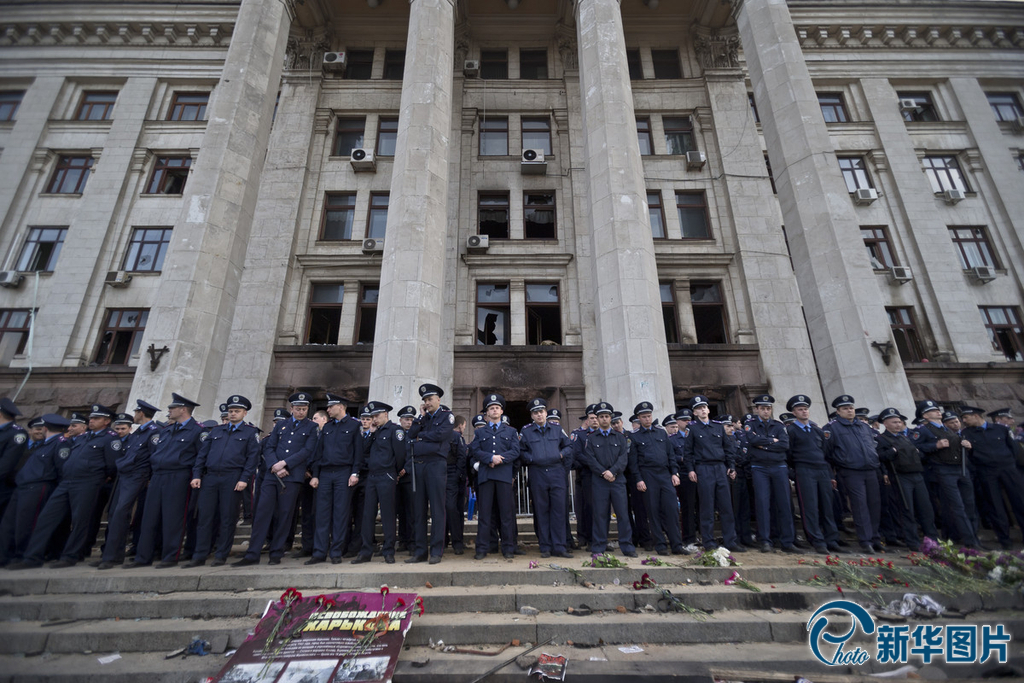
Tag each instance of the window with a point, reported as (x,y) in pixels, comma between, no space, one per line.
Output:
(348,135)
(70,175)
(169,175)
(394,65)
(359,65)
(636,67)
(643,136)
(387,136)
(14,326)
(325,313)
(668,312)
(543,314)
(832,107)
(366,316)
(904,331)
(339,215)
(972,247)
(925,110)
(537,134)
(96,106)
(378,220)
(42,247)
(1004,330)
(494,136)
(678,134)
(657,214)
(854,173)
(944,174)
(493,209)
(494,64)
(666,64)
(876,240)
(190,106)
(539,215)
(1005,105)
(753,107)
(533,64)
(693,215)
(708,313)
(147,249)
(122,336)
(771,176)
(492,314)
(10,100)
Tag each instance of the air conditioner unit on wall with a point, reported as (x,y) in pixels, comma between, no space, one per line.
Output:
(533,162)
(953,196)
(471,68)
(117,278)
(983,273)
(362,160)
(478,243)
(695,160)
(373,245)
(334,61)
(10,278)
(909,104)
(900,275)
(865,196)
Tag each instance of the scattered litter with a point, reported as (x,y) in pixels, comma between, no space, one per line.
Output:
(620,609)
(581,611)
(229,653)
(631,650)
(420,663)
(198,647)
(801,679)
(705,582)
(525,662)
(428,584)
(175,653)
(776,610)
(912,605)
(600,588)
(109,658)
(597,659)
(693,548)
(689,581)
(902,672)
(550,666)
(616,581)
(529,611)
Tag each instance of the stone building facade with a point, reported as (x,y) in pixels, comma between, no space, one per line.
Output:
(275,195)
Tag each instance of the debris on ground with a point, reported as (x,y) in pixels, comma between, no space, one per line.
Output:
(550,666)
(907,671)
(109,658)
(631,649)
(529,611)
(912,605)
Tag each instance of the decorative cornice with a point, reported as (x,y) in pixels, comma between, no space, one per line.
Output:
(906,36)
(693,260)
(502,261)
(351,260)
(112,33)
(305,50)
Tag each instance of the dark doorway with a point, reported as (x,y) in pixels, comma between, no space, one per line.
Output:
(518,413)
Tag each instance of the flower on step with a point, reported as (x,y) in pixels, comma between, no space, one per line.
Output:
(645,582)
(419,603)
(384,590)
(737,580)
(290,595)
(534,564)
(400,602)
(325,603)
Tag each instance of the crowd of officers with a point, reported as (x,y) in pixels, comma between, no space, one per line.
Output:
(172,491)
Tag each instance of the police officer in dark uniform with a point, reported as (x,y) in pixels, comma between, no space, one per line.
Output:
(897,450)
(709,456)
(386,456)
(335,477)
(547,451)
(767,443)
(35,481)
(583,494)
(687,491)
(814,480)
(13,442)
(850,447)
(405,498)
(85,467)
(606,455)
(133,473)
(993,453)
(286,454)
(658,474)
(225,464)
(494,450)
(430,437)
(455,488)
(170,494)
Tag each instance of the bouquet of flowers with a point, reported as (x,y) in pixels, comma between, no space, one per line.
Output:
(719,557)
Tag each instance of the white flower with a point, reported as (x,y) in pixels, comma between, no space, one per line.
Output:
(996,575)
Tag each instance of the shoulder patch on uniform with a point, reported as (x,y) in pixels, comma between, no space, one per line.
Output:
(155,439)
(19,439)
(451,418)
(399,434)
(572,437)
(915,434)
(203,436)
(116,444)
(827,433)
(746,427)
(64,453)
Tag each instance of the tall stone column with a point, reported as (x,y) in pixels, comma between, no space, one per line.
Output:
(409,339)
(272,242)
(842,304)
(954,318)
(203,267)
(632,354)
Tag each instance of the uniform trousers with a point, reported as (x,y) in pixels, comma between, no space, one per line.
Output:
(584,507)
(548,492)
(431,481)
(771,500)
(380,491)
(277,506)
(119,517)
(814,491)
(742,494)
(165,518)
(608,496)
(495,496)
(19,519)
(995,482)
(662,510)
(76,497)
(639,516)
(865,502)
(405,501)
(333,512)
(218,511)
(357,506)
(915,508)
(713,489)
(454,506)
(956,495)
(688,495)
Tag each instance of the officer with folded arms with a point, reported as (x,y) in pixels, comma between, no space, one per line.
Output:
(767,443)
(494,450)
(993,452)
(658,472)
(897,450)
(386,456)
(547,450)
(850,447)
(814,482)
(606,455)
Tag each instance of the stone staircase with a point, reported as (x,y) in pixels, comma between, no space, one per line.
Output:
(56,624)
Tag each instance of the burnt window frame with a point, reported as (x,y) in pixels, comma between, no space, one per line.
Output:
(700,305)
(548,207)
(532,339)
(537,55)
(106,349)
(363,307)
(667,57)
(505,307)
(505,202)
(669,312)
(906,333)
(1015,328)
(313,307)
(164,174)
